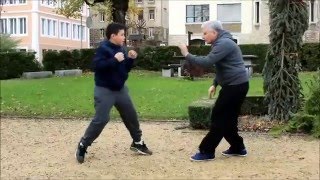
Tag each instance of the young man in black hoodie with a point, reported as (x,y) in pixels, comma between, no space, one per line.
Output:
(231,75)
(111,64)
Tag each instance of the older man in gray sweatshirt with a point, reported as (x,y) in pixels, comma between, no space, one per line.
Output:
(231,75)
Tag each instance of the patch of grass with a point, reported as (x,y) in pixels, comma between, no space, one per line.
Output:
(155,97)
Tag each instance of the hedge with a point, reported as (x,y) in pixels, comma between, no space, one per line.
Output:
(154,58)
(13,64)
(75,59)
(200,110)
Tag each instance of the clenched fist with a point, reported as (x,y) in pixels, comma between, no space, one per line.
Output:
(132,54)
(119,56)
(211,91)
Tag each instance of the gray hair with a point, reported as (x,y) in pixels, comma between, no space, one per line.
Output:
(213,25)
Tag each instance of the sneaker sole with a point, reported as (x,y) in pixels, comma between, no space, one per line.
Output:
(138,151)
(230,155)
(75,155)
(194,160)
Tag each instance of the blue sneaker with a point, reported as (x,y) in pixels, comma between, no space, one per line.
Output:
(202,157)
(230,152)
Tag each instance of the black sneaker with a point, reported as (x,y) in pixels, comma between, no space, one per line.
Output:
(80,153)
(230,152)
(140,148)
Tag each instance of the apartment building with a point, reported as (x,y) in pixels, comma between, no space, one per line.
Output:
(40,28)
(154,15)
(247,20)
(99,24)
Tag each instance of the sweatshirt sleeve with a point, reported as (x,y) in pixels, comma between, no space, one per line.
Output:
(215,82)
(218,52)
(102,62)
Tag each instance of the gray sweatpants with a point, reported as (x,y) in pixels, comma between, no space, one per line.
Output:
(104,100)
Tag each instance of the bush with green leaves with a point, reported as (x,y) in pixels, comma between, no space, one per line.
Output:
(13,64)
(7,43)
(308,120)
(75,59)
(200,111)
(154,58)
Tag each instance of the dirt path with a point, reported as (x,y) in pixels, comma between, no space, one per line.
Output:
(45,149)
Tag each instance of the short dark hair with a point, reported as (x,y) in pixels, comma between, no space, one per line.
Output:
(114,28)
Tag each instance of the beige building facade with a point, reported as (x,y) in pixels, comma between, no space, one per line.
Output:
(247,20)
(39,28)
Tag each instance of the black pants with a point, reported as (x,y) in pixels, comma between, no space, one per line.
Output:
(224,119)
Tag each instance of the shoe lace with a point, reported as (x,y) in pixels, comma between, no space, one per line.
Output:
(83,150)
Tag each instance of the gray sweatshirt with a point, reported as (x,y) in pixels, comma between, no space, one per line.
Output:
(226,55)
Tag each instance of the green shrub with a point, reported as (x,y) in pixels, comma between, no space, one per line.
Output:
(51,61)
(75,59)
(154,58)
(86,59)
(13,64)
(308,120)
(310,56)
(200,113)
(312,104)
(200,110)
(260,50)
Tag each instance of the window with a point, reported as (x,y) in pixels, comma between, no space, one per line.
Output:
(102,17)
(229,13)
(197,13)
(257,12)
(64,30)
(312,11)
(12,2)
(151,32)
(51,3)
(49,27)
(102,33)
(22,26)
(61,3)
(3,26)
(14,26)
(78,32)
(151,14)
(140,15)
(139,1)
(151,1)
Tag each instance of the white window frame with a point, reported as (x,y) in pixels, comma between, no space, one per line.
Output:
(49,3)
(139,1)
(154,14)
(151,32)
(233,3)
(315,12)
(76,38)
(194,22)
(16,3)
(257,20)
(102,17)
(55,30)
(17,27)
(66,30)
(102,33)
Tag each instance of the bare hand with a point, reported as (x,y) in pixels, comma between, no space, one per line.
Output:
(119,56)
(183,49)
(132,54)
(211,91)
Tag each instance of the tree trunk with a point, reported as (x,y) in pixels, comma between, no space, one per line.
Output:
(119,10)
